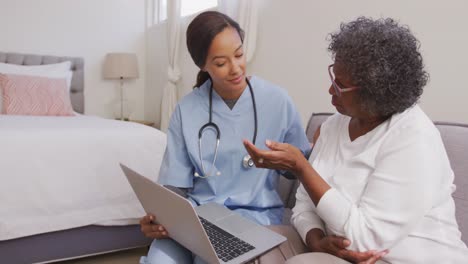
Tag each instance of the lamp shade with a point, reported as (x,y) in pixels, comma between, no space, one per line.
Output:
(121,66)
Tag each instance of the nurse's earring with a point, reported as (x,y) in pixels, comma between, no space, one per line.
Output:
(247,162)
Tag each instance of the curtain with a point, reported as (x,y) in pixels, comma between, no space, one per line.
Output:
(169,97)
(245,12)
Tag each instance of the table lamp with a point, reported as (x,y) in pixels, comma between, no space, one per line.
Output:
(121,66)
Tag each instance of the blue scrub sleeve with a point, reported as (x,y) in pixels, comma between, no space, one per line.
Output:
(296,136)
(176,168)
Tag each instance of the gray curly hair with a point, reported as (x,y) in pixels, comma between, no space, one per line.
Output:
(383,59)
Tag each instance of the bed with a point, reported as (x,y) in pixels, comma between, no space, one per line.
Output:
(63,195)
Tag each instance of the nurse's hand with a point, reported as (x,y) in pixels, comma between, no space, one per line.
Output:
(152,230)
(281,156)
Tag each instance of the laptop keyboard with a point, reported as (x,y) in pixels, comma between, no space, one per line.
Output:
(225,245)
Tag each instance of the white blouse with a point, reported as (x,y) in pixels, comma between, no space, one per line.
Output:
(390,189)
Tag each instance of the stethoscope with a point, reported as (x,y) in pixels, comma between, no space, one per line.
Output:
(247,161)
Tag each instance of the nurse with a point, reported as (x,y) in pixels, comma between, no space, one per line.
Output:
(241,107)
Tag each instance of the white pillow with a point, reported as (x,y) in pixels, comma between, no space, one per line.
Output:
(56,70)
(61,66)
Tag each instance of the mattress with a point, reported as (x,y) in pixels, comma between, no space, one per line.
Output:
(59,173)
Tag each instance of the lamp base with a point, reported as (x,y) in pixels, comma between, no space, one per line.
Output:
(122,110)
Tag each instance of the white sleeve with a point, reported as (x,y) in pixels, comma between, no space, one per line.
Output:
(304,217)
(398,194)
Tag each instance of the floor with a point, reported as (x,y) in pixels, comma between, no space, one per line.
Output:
(121,257)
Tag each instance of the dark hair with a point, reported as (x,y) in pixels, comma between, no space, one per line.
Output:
(201,32)
(383,59)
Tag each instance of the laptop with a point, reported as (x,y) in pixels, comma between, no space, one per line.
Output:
(211,231)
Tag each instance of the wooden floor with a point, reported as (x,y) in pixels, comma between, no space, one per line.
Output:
(122,257)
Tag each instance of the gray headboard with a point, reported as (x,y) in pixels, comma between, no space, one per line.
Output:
(77,83)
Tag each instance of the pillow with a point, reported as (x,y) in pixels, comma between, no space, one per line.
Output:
(56,70)
(61,67)
(33,95)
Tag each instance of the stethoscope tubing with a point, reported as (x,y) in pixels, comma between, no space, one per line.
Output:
(213,125)
(200,135)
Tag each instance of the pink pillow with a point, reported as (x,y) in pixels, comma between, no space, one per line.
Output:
(32,95)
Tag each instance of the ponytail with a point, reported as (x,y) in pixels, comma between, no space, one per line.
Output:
(202,77)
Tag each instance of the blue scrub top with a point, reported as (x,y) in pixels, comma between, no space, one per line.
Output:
(250,192)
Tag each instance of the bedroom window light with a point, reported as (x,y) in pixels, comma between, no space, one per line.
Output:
(160,11)
(188,7)
(191,7)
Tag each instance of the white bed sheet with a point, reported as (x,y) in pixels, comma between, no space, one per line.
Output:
(63,172)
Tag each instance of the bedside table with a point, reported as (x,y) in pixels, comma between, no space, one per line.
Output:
(147,123)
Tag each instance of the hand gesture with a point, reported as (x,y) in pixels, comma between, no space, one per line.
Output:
(151,229)
(281,156)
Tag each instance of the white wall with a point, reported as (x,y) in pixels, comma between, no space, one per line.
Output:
(292,48)
(84,28)
(292,51)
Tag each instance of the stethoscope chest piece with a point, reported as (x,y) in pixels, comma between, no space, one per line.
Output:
(247,162)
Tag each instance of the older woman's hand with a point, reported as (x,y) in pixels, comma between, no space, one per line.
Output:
(374,258)
(337,246)
(281,156)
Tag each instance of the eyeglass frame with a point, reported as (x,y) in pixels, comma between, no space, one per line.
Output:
(336,87)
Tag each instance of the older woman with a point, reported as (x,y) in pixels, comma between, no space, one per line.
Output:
(378,184)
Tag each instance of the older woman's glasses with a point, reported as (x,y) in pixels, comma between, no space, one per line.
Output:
(338,89)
